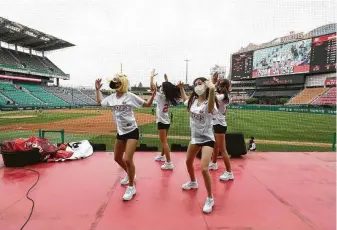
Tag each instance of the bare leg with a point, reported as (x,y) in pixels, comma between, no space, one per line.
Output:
(130,149)
(162,151)
(163,139)
(221,143)
(191,153)
(118,153)
(215,153)
(205,160)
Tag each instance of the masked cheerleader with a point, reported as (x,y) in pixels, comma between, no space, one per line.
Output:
(167,94)
(201,106)
(122,104)
(220,128)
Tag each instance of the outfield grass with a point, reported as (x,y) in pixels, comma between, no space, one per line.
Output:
(39,117)
(263,125)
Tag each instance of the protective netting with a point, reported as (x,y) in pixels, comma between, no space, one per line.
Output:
(283,127)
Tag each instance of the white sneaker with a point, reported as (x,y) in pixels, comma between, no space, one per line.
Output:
(213,166)
(125,180)
(227,176)
(190,184)
(167,166)
(130,191)
(160,158)
(208,205)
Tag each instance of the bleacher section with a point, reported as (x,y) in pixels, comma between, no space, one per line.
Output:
(43,95)
(23,61)
(328,98)
(72,96)
(17,95)
(90,93)
(307,95)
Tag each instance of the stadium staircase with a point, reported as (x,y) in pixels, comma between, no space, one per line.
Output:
(4,100)
(307,96)
(89,93)
(46,97)
(66,94)
(17,95)
(328,98)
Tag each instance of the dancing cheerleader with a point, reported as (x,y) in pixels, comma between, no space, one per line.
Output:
(122,104)
(167,94)
(220,128)
(201,106)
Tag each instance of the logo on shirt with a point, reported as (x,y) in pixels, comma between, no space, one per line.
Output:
(197,116)
(120,108)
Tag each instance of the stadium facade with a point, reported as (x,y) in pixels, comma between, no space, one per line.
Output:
(298,68)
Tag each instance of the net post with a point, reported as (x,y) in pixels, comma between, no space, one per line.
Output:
(62,136)
(334,142)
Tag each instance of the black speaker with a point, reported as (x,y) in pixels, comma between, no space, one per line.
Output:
(21,159)
(98,147)
(178,148)
(145,148)
(175,147)
(235,145)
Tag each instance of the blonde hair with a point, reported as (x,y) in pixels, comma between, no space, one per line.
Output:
(124,83)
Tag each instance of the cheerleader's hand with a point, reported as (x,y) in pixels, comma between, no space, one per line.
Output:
(98,84)
(153,73)
(180,84)
(215,77)
(209,85)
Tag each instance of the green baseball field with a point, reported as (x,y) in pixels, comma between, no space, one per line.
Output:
(273,130)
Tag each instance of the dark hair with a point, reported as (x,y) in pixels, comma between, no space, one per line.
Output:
(171,92)
(195,96)
(223,88)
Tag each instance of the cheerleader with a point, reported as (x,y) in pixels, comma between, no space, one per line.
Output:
(167,94)
(220,128)
(122,104)
(201,106)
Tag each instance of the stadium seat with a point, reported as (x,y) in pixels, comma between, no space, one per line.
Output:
(328,98)
(43,95)
(307,95)
(19,96)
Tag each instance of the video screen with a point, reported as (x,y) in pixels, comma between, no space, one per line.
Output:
(242,66)
(323,55)
(284,59)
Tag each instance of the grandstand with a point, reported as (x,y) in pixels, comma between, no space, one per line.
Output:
(297,69)
(24,76)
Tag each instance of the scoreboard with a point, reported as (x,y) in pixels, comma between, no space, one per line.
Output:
(323,54)
(242,66)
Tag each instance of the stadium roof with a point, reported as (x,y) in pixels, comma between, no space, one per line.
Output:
(15,33)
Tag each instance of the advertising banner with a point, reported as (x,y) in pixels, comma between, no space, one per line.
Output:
(330,81)
(284,59)
(280,80)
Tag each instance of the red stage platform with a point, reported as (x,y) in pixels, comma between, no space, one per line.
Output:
(288,191)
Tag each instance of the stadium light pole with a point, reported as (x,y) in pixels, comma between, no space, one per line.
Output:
(186,70)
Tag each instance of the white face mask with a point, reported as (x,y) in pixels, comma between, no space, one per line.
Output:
(200,89)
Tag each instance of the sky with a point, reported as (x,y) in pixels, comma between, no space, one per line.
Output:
(156,34)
